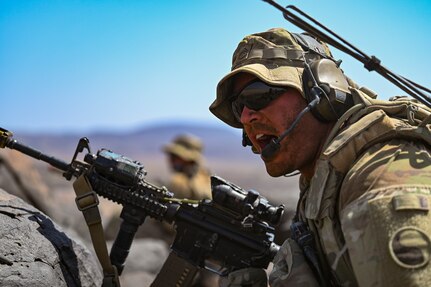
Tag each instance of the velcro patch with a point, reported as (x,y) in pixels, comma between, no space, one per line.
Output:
(410,202)
(410,247)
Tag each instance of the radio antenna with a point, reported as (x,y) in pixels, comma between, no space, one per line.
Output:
(310,25)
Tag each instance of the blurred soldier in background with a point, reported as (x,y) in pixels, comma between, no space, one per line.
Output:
(189,178)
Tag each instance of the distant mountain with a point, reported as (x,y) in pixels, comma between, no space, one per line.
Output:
(143,142)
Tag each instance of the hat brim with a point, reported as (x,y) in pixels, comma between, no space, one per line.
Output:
(286,76)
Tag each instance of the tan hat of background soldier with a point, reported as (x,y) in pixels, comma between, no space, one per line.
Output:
(185,146)
(274,56)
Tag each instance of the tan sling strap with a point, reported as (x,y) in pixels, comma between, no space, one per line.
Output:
(87,202)
(176,272)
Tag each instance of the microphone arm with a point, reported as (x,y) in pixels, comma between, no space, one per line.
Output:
(272,148)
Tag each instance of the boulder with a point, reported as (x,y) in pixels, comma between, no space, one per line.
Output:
(35,252)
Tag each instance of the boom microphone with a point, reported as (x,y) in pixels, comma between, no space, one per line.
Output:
(274,146)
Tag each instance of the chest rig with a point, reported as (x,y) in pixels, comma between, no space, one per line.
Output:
(368,122)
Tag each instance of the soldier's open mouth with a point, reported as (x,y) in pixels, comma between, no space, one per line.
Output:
(263,140)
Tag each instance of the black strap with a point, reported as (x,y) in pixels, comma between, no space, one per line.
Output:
(305,239)
(309,43)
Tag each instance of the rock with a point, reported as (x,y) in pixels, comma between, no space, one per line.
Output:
(35,252)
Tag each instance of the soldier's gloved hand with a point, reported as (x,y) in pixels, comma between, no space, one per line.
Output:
(291,268)
(250,277)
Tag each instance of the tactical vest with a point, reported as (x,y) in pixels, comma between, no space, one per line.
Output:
(369,122)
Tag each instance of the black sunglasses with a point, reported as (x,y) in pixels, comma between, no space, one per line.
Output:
(255,96)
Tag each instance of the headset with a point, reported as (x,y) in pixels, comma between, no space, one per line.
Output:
(325,89)
(323,78)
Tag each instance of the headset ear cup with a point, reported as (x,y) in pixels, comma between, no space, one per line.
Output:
(334,102)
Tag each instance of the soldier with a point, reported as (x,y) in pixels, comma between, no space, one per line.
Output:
(363,217)
(189,179)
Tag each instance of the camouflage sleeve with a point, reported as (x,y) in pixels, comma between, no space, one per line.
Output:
(290,268)
(387,224)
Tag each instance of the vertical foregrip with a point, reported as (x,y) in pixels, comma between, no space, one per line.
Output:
(123,242)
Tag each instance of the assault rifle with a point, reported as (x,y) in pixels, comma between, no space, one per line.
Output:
(232,231)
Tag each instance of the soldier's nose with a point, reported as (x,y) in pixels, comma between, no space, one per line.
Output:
(248,115)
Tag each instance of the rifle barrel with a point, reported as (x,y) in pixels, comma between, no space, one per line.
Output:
(34,153)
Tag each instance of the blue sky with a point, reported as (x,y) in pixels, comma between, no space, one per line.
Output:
(86,65)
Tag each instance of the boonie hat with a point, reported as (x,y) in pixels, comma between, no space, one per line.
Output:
(185,146)
(274,56)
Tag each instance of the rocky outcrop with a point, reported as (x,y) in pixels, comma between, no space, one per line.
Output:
(34,251)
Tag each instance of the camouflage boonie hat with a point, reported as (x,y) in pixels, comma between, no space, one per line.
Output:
(274,56)
(186,146)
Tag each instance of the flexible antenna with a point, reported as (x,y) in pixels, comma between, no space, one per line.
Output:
(370,63)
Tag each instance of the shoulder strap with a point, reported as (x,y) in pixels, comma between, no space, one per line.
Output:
(87,202)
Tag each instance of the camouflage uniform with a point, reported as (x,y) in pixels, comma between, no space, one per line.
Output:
(367,204)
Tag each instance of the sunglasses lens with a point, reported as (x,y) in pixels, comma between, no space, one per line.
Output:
(255,96)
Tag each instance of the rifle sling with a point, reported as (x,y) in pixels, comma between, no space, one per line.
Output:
(176,272)
(87,202)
